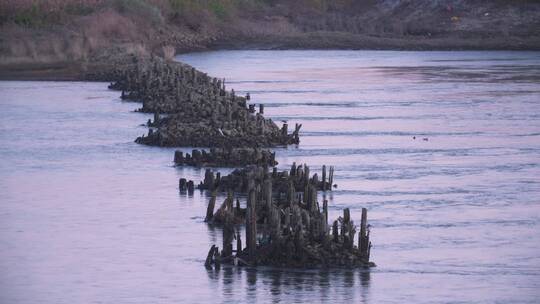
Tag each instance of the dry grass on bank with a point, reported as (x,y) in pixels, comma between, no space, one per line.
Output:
(71,30)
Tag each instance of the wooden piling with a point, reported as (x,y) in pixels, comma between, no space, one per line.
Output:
(331,177)
(325,210)
(182,184)
(210,257)
(237,209)
(268,193)
(346,228)
(228,234)
(346,215)
(306,174)
(210,208)
(324,177)
(251,226)
(293,169)
(291,193)
(178,157)
(362,237)
(285,130)
(335,232)
(190,186)
(217,258)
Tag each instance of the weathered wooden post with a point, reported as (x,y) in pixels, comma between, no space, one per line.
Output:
(218,179)
(182,184)
(210,208)
(325,210)
(196,155)
(346,228)
(251,226)
(208,179)
(287,218)
(293,170)
(324,177)
(362,237)
(275,225)
(268,193)
(217,258)
(335,232)
(331,177)
(238,242)
(346,215)
(228,234)
(178,157)
(190,187)
(285,130)
(230,201)
(210,257)
(306,174)
(313,206)
(305,195)
(237,210)
(315,180)
(291,193)
(297,133)
(324,227)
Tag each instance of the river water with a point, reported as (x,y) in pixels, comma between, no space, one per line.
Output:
(88,216)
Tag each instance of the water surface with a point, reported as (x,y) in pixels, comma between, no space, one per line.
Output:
(88,216)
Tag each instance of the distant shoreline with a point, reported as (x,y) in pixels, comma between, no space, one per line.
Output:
(78,70)
(41,40)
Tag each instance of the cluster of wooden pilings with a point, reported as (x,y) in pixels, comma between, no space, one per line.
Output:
(287,232)
(296,180)
(201,112)
(284,222)
(291,236)
(236,157)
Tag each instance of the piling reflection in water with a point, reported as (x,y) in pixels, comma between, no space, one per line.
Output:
(319,285)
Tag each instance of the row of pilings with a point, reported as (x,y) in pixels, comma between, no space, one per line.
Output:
(193,109)
(284,222)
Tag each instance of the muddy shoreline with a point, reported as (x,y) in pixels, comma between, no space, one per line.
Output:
(80,71)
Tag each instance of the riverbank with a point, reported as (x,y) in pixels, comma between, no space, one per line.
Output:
(84,70)
(45,41)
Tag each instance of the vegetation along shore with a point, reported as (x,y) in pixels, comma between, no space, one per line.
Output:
(66,40)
